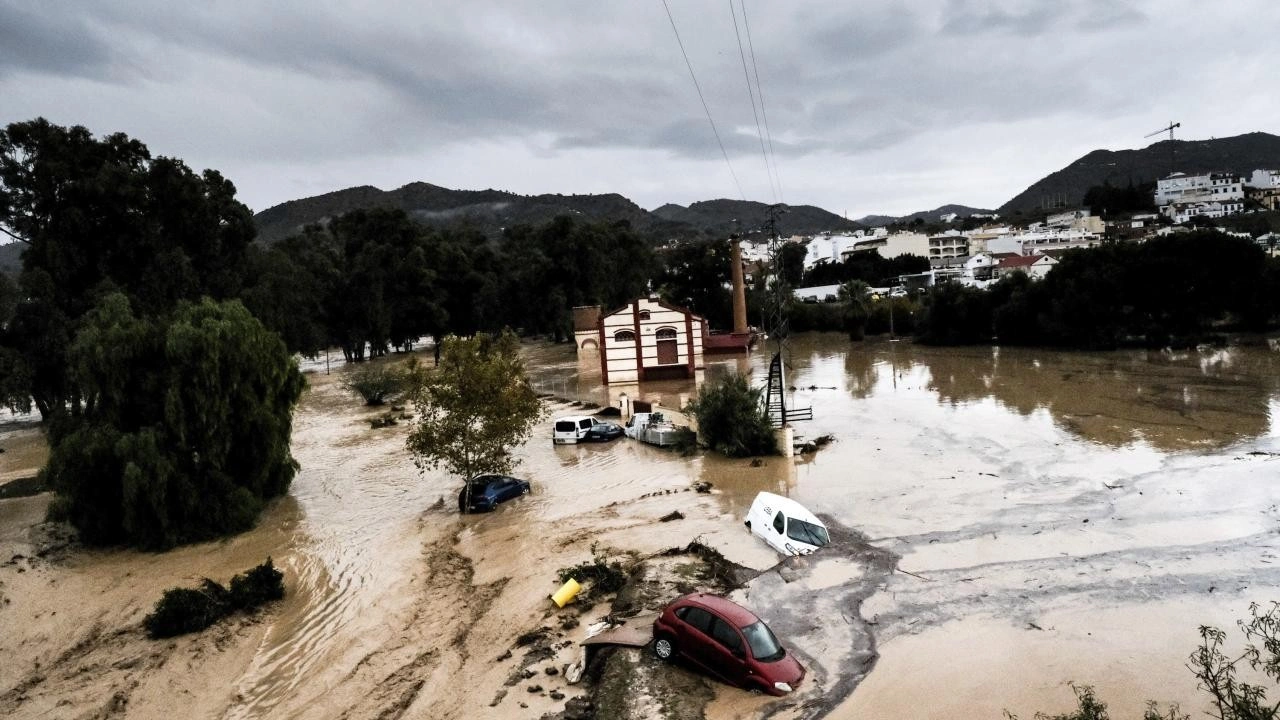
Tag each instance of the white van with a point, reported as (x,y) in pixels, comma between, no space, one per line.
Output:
(571,430)
(786,525)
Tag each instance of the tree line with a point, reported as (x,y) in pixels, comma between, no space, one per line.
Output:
(1180,289)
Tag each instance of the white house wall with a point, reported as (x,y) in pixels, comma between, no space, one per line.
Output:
(620,356)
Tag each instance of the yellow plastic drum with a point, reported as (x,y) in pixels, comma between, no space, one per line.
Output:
(567,592)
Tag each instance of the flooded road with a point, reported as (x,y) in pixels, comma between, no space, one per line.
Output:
(1062,516)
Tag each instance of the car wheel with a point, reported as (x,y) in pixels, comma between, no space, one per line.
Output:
(664,647)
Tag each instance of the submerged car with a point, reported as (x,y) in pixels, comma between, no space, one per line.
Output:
(726,641)
(486,491)
(603,430)
(786,525)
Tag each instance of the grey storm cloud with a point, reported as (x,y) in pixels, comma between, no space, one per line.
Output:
(309,84)
(38,42)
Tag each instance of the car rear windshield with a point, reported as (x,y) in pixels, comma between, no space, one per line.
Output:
(807,532)
(764,646)
(566,426)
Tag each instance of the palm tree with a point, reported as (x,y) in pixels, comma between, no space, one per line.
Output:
(856,296)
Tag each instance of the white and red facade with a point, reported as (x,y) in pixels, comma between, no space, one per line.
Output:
(645,340)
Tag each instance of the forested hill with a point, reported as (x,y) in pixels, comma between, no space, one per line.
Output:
(489,210)
(727,216)
(1242,154)
(927,216)
(492,210)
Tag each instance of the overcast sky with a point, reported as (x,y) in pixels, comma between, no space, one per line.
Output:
(873,106)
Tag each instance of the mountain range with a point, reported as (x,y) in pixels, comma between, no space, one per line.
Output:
(492,210)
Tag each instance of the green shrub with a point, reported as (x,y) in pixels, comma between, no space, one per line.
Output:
(732,419)
(186,610)
(378,382)
(257,586)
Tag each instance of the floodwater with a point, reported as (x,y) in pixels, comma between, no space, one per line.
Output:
(1052,516)
(1056,517)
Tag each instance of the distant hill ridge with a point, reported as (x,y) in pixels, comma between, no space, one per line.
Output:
(1240,154)
(934,215)
(492,210)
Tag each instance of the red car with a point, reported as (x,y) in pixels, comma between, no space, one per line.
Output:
(726,640)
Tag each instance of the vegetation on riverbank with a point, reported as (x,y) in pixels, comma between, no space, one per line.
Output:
(1218,673)
(1175,290)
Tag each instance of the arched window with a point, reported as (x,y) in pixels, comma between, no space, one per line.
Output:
(624,336)
(644,314)
(666,333)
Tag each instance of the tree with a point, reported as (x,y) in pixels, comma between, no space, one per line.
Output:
(732,419)
(696,275)
(791,257)
(856,297)
(101,216)
(474,407)
(379,382)
(184,430)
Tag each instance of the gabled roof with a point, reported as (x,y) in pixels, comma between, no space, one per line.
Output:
(659,303)
(1021,261)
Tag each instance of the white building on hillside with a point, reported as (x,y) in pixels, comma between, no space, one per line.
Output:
(1264,179)
(950,244)
(905,243)
(1183,188)
(1183,212)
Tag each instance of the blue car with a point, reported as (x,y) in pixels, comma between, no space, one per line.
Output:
(489,490)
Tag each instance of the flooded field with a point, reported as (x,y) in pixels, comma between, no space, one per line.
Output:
(1055,517)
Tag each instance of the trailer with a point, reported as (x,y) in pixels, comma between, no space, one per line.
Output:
(652,428)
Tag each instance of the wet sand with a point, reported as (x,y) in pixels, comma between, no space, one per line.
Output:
(974,469)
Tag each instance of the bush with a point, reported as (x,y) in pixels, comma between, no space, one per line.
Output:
(186,610)
(378,382)
(257,586)
(732,419)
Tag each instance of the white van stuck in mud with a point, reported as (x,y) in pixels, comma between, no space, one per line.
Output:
(571,430)
(786,525)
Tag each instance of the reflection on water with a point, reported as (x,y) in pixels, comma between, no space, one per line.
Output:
(1169,400)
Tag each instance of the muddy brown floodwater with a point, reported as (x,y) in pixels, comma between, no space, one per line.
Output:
(1004,522)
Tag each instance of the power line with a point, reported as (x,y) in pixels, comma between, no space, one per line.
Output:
(751,94)
(760,91)
(704,101)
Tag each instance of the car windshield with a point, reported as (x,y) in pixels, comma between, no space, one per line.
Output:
(565,426)
(807,532)
(764,646)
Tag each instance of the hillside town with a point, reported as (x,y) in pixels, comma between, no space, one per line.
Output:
(980,256)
